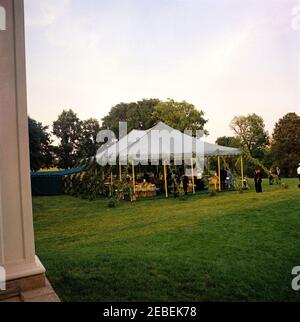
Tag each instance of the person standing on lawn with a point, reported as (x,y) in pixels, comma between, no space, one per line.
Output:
(298,172)
(258,180)
(229,179)
(176,183)
(223,179)
(185,183)
(278,173)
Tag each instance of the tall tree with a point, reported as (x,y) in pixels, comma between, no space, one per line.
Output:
(67,128)
(285,144)
(250,130)
(88,146)
(179,115)
(229,141)
(40,146)
(140,116)
(137,115)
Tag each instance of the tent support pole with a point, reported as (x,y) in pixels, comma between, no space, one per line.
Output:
(133,176)
(120,171)
(166,182)
(242,171)
(219,172)
(111,182)
(193,179)
(208,165)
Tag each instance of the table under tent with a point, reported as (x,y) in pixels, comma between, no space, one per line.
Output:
(154,154)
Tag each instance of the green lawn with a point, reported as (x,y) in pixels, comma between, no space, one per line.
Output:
(230,247)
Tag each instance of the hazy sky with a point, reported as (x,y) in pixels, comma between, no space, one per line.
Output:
(227,57)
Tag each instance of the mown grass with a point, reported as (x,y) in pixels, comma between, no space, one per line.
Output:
(233,247)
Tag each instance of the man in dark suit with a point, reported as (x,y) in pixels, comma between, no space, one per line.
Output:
(223,179)
(185,182)
(258,181)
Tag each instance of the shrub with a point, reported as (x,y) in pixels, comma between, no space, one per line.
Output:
(241,190)
(182,197)
(113,203)
(213,193)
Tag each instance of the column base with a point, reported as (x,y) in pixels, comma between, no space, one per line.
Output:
(14,288)
(29,289)
(27,283)
(17,271)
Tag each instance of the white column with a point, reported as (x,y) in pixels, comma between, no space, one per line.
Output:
(17,251)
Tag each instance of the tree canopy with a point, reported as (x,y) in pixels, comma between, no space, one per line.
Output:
(68,129)
(230,141)
(87,145)
(285,144)
(137,115)
(40,145)
(250,130)
(146,113)
(180,115)
(77,139)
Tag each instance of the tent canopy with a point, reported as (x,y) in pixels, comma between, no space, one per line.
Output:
(57,173)
(161,143)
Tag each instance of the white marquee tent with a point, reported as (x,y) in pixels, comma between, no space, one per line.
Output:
(160,143)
